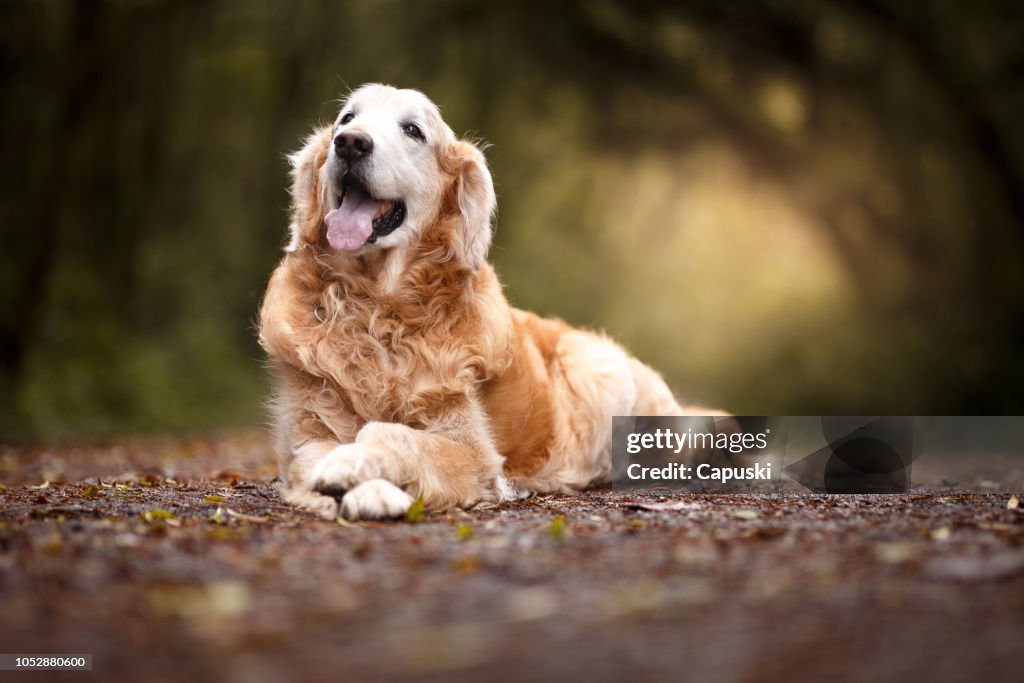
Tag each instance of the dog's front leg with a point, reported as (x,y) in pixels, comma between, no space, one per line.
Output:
(296,463)
(389,465)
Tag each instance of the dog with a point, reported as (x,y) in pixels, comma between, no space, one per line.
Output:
(401,370)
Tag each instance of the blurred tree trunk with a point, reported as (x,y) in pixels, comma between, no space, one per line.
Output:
(75,78)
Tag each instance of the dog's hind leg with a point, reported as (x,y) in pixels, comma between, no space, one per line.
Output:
(653,397)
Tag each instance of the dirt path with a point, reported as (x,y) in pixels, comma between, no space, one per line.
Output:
(176,560)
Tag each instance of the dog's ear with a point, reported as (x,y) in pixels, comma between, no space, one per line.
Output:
(309,189)
(474,200)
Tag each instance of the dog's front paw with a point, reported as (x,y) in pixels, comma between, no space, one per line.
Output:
(344,467)
(375,499)
(324,506)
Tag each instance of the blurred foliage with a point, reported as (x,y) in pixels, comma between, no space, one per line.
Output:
(788,206)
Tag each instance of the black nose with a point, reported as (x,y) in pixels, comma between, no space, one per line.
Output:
(353,145)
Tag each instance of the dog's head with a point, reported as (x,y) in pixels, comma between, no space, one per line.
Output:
(384,173)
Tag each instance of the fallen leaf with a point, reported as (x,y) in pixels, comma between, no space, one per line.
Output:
(158,515)
(527,604)
(961,497)
(1013,503)
(940,534)
(44,485)
(894,553)
(556,528)
(2,488)
(228,598)
(414,515)
(744,514)
(463,531)
(220,599)
(90,491)
(247,518)
(53,546)
(467,564)
(213,498)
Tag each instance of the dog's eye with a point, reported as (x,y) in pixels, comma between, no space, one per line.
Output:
(413,131)
(347,117)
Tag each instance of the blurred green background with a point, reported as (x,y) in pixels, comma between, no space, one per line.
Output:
(788,207)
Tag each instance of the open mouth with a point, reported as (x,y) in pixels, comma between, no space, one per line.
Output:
(361,219)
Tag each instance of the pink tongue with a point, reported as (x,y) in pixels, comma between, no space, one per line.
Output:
(351,224)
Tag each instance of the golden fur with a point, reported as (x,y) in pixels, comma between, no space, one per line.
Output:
(403,372)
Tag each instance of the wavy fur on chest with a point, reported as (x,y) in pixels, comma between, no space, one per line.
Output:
(407,356)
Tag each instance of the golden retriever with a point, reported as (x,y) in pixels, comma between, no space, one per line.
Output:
(401,370)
